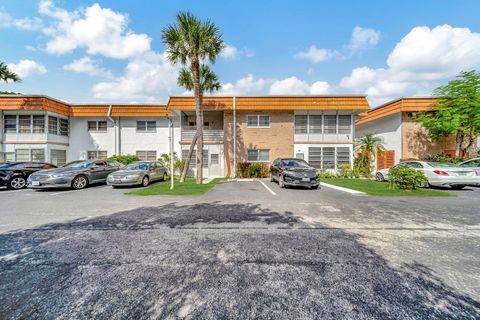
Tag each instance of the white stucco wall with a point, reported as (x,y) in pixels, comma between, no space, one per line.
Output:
(82,141)
(390,128)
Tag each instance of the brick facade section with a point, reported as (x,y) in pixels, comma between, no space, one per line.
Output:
(278,138)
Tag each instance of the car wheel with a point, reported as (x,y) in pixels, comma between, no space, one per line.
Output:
(17,183)
(164,176)
(458,186)
(281,182)
(380,177)
(145,181)
(79,182)
(272,179)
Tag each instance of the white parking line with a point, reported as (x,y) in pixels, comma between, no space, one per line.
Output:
(266,187)
(354,192)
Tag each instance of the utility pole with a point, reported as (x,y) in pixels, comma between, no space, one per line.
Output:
(170,136)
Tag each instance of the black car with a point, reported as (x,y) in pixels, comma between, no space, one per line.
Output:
(294,172)
(14,174)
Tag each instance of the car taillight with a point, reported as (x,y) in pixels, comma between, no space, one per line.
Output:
(441,172)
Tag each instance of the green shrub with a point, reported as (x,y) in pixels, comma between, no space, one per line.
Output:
(362,168)
(406,178)
(345,171)
(326,174)
(253,170)
(125,159)
(442,157)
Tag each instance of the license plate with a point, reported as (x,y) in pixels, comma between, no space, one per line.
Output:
(35,183)
(117,181)
(462,173)
(305,179)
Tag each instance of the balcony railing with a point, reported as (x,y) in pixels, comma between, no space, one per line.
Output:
(208,135)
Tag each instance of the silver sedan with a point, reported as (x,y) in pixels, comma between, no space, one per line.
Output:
(138,173)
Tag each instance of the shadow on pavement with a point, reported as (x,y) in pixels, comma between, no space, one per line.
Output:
(144,264)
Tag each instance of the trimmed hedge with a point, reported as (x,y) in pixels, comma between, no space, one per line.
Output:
(253,170)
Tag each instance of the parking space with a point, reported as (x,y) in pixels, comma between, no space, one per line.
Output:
(331,245)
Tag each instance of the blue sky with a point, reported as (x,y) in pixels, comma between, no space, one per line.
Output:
(111,51)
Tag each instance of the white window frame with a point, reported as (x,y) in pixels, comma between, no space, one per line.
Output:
(258,156)
(258,126)
(97,126)
(97,153)
(145,152)
(147,128)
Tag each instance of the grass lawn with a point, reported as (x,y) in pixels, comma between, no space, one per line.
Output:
(186,188)
(376,188)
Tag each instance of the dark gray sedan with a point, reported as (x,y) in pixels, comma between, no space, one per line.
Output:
(138,173)
(294,172)
(76,175)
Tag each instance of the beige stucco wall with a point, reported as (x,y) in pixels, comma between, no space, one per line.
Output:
(416,143)
(278,138)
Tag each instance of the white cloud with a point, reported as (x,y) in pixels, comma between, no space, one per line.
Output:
(244,86)
(316,55)
(89,66)
(293,85)
(99,30)
(363,37)
(30,24)
(419,62)
(320,87)
(146,77)
(231,53)
(25,68)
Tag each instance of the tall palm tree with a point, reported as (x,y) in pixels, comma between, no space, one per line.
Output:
(189,42)
(368,147)
(7,75)
(208,82)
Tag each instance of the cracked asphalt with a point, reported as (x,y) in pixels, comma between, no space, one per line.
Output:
(238,252)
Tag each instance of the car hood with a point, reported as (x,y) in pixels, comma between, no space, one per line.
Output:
(128,172)
(60,171)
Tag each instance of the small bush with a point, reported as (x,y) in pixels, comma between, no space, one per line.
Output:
(328,174)
(345,171)
(125,159)
(406,178)
(253,170)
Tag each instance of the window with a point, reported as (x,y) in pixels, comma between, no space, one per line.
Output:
(147,155)
(343,155)
(315,157)
(328,158)
(301,124)
(38,124)
(146,126)
(214,159)
(52,125)
(193,161)
(473,163)
(345,124)
(94,155)
(25,124)
(97,126)
(22,155)
(10,124)
(63,127)
(37,155)
(315,122)
(257,155)
(330,124)
(58,157)
(258,121)
(300,156)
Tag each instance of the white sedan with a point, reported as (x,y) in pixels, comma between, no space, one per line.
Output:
(439,174)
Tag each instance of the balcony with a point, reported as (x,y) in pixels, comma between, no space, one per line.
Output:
(208,135)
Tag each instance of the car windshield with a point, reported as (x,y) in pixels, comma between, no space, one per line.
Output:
(78,164)
(294,163)
(442,164)
(136,166)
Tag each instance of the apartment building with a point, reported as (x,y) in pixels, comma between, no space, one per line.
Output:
(40,128)
(239,129)
(319,129)
(404,138)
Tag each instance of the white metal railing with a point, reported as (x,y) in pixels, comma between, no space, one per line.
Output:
(208,135)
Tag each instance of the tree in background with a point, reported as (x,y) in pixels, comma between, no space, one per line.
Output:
(190,42)
(457,112)
(368,147)
(7,75)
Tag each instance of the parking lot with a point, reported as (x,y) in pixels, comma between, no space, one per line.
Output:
(301,254)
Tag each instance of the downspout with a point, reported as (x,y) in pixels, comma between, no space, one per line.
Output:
(109,116)
(234,136)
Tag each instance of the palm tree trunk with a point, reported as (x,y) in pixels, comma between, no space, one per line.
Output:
(189,159)
(199,116)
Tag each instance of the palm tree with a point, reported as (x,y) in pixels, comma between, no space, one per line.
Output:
(7,75)
(208,82)
(189,42)
(368,147)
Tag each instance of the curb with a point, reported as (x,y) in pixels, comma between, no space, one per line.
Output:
(351,191)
